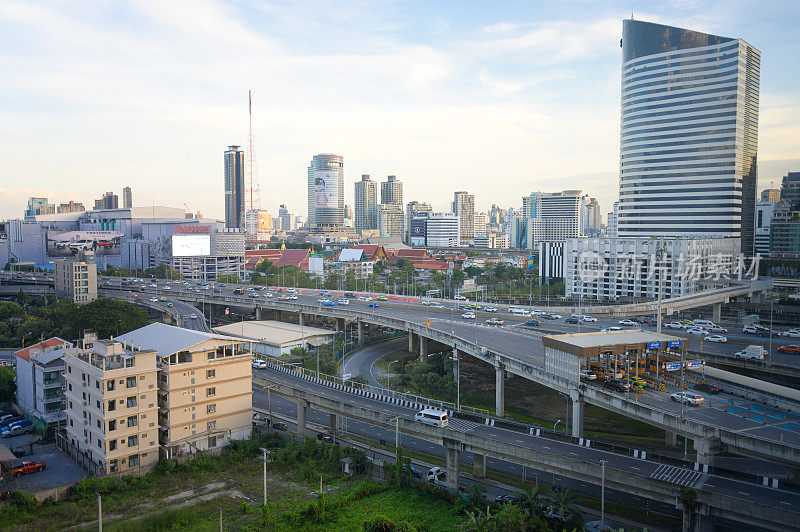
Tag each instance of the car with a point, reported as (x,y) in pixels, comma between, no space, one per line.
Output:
(638,382)
(460,298)
(170,305)
(324,437)
(221,285)
(611,329)
(349,294)
(716,338)
(555,316)
(531,323)
(508,498)
(259,364)
(382,298)
(426,303)
(15,429)
(437,305)
(9,419)
(674,325)
(646,320)
(292,297)
(697,332)
(28,467)
(573,321)
(373,305)
(154,299)
(363,298)
(323,300)
(616,385)
(589,319)
(468,315)
(707,387)
(629,323)
(694,399)
(193,316)
(588,376)
(329,304)
(790,334)
(756,330)
(253,295)
(344,302)
(490,309)
(494,321)
(280,426)
(716,329)
(162,298)
(789,349)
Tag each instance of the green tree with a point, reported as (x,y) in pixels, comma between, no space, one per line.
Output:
(530,500)
(108,317)
(10,310)
(478,521)
(457,278)
(8,387)
(232,279)
(565,503)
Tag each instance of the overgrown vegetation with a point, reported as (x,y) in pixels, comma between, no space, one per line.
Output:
(160,271)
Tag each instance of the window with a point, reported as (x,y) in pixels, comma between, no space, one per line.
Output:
(110,385)
(131,402)
(210,409)
(211,373)
(97,384)
(212,425)
(133,441)
(112,405)
(99,425)
(133,461)
(133,421)
(212,441)
(70,386)
(210,392)
(112,425)
(130,362)
(130,382)
(97,403)
(99,443)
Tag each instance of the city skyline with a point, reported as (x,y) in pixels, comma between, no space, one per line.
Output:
(533,90)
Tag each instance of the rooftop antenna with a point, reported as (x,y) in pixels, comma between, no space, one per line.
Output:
(252,171)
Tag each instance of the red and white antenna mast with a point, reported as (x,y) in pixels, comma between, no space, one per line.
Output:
(252,171)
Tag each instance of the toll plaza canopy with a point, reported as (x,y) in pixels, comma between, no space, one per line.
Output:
(620,343)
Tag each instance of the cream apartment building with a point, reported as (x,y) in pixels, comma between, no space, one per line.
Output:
(205,387)
(111,404)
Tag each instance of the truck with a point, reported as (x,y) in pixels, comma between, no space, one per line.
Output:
(752,352)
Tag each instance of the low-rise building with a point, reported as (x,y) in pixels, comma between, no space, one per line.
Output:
(275,338)
(205,387)
(353,260)
(76,281)
(111,406)
(40,381)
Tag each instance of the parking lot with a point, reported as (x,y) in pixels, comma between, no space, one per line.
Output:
(60,470)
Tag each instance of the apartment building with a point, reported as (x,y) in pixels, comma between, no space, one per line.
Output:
(111,405)
(40,381)
(76,281)
(204,387)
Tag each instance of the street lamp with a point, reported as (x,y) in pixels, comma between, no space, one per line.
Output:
(556,423)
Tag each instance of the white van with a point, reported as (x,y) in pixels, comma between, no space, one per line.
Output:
(437,475)
(517,310)
(753,352)
(431,416)
(703,323)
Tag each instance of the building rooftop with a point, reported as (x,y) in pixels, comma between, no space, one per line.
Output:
(618,342)
(272,332)
(166,340)
(36,349)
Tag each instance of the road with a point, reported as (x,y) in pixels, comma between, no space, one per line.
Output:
(362,361)
(517,342)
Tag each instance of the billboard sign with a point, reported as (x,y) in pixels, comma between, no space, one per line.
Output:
(71,243)
(326,188)
(694,363)
(675,343)
(191,229)
(672,366)
(653,345)
(264,222)
(191,245)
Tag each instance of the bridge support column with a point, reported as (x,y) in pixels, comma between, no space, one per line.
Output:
(277,315)
(577,413)
(670,438)
(301,319)
(339,325)
(333,424)
(258,313)
(706,449)
(499,390)
(479,465)
(453,451)
(410,342)
(717,313)
(361,334)
(423,347)
(301,417)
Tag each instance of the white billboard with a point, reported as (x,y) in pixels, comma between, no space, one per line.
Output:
(326,188)
(191,245)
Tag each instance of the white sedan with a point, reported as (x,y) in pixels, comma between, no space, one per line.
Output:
(790,334)
(674,325)
(688,397)
(718,338)
(611,329)
(589,319)
(344,301)
(490,309)
(697,332)
(629,323)
(468,315)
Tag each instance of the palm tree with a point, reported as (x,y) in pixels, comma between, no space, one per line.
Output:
(477,521)
(530,500)
(565,504)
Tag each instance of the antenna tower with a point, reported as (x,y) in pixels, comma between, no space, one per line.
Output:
(252,170)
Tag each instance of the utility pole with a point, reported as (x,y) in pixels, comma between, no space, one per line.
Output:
(99,513)
(602,494)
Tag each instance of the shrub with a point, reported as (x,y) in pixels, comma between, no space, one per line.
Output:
(379,523)
(22,500)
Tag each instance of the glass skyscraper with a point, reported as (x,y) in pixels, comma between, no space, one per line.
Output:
(689,134)
(234,188)
(326,191)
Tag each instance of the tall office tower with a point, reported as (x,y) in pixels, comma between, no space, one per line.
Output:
(481,220)
(529,204)
(558,218)
(391,220)
(464,209)
(109,200)
(689,134)
(127,198)
(71,206)
(234,188)
(392,191)
(36,206)
(413,209)
(366,211)
(590,216)
(326,191)
(612,222)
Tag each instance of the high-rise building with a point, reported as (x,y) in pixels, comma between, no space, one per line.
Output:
(785,224)
(481,221)
(790,189)
(764,210)
(529,204)
(689,134)
(71,206)
(326,191)
(76,281)
(557,218)
(612,221)
(415,208)
(127,198)
(464,208)
(391,220)
(392,191)
(234,188)
(771,194)
(366,202)
(442,230)
(108,201)
(590,216)
(37,206)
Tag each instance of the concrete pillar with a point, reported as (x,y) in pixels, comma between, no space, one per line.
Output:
(339,325)
(301,319)
(410,342)
(499,391)
(423,347)
(332,424)
(301,418)
(577,413)
(360,334)
(453,465)
(277,315)
(670,438)
(258,313)
(479,465)
(717,313)
(686,520)
(706,449)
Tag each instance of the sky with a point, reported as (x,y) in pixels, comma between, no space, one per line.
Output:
(497,98)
